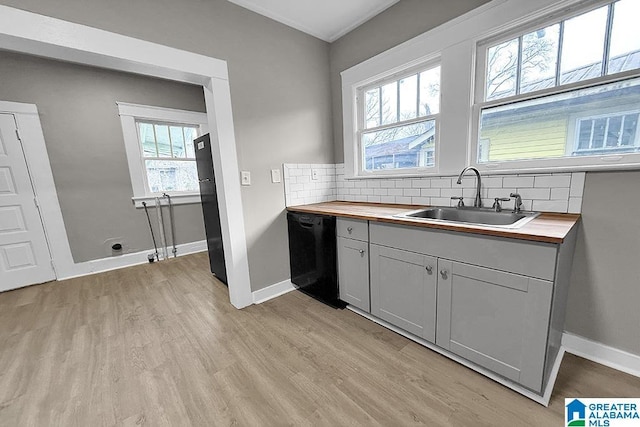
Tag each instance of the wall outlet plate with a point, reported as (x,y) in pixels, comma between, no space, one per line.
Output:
(314,174)
(245,178)
(275,176)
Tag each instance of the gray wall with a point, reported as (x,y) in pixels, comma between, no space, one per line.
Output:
(401,22)
(83,135)
(279,88)
(605,281)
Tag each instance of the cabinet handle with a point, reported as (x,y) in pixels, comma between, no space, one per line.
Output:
(349,229)
(361,252)
(444,273)
(429,269)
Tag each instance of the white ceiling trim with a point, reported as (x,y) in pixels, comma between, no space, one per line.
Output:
(316,32)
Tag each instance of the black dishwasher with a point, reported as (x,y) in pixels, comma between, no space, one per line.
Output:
(312,255)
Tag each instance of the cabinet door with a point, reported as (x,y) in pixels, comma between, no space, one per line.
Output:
(495,319)
(403,290)
(353,272)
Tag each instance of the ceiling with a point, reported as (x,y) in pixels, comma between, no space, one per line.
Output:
(327,20)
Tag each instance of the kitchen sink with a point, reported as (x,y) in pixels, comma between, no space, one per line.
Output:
(476,216)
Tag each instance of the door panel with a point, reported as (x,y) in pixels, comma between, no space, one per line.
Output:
(24,255)
(495,319)
(353,272)
(403,290)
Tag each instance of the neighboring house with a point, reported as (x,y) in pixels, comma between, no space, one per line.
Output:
(588,124)
(407,152)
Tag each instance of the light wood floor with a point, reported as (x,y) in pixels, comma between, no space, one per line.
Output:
(161,345)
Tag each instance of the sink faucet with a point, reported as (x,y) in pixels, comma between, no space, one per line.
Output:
(478,201)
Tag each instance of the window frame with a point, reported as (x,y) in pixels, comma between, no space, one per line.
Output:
(514,31)
(360,121)
(130,115)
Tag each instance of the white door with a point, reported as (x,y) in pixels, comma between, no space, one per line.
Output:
(24,254)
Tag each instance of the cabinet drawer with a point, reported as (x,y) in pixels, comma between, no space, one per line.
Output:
(353,229)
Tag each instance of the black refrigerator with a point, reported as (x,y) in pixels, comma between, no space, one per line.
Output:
(210,209)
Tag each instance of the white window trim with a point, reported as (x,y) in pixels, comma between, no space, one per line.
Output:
(455,43)
(129,113)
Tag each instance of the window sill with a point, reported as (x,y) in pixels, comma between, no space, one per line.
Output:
(176,199)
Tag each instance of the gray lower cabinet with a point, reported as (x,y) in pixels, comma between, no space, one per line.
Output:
(353,272)
(498,303)
(403,290)
(495,319)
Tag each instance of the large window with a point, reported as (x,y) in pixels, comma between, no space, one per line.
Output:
(399,122)
(566,89)
(160,151)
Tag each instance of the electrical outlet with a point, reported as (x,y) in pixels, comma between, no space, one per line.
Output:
(314,174)
(275,176)
(245,178)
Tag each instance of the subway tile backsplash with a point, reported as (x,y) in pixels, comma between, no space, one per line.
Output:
(557,192)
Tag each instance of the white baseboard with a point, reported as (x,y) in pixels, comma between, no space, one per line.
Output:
(127,260)
(273,291)
(601,353)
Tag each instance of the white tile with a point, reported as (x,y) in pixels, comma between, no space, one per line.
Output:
(411,192)
(339,184)
(492,182)
(577,184)
(380,191)
(303,179)
(553,181)
(467,182)
(291,180)
(513,182)
(430,192)
(366,191)
(295,172)
(403,200)
(387,183)
(559,193)
(387,199)
(421,201)
(451,192)
(350,198)
(305,172)
(526,205)
(296,187)
(421,183)
(575,205)
(349,184)
(373,199)
(440,201)
(551,205)
(361,198)
(354,191)
(441,183)
(535,193)
(360,184)
(395,191)
(373,183)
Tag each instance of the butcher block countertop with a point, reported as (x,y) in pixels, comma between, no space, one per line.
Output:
(548,227)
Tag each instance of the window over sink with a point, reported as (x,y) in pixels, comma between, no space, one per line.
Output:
(562,93)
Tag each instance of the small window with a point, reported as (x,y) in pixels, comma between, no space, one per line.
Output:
(399,122)
(160,151)
(169,157)
(565,89)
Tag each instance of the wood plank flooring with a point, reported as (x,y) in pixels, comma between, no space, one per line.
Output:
(160,344)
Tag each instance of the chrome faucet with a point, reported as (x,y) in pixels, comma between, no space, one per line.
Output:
(517,206)
(478,201)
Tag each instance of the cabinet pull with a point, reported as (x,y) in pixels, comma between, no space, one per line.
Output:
(361,252)
(429,269)
(444,273)
(349,229)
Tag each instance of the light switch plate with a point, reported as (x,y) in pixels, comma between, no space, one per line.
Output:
(275,176)
(314,174)
(245,177)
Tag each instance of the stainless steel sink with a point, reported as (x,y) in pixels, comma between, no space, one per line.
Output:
(475,216)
